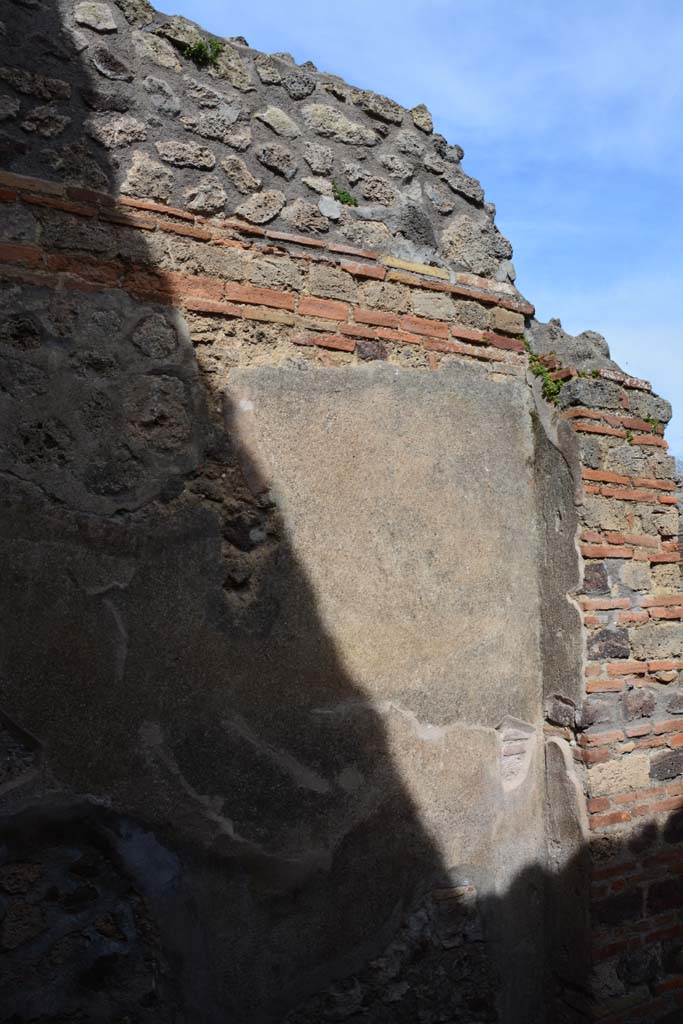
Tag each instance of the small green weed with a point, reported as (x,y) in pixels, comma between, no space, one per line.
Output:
(653,421)
(202,53)
(342,196)
(551,388)
(629,437)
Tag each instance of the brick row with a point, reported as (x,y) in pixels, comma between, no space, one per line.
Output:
(149,215)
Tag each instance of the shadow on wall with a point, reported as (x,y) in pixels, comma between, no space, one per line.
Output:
(162,642)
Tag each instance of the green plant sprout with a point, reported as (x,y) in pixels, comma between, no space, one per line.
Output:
(202,53)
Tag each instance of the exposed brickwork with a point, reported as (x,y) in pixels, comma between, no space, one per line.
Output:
(632,683)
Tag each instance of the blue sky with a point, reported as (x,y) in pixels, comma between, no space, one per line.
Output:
(571,116)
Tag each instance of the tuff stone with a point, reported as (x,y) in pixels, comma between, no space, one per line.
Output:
(276,272)
(422,119)
(75,163)
(636,575)
(666,766)
(336,87)
(95,16)
(332,124)
(240,175)
(163,97)
(610,643)
(177,30)
(231,67)
(454,154)
(434,163)
(643,405)
(186,154)
(280,122)
(207,196)
(9,108)
(203,95)
(18,223)
(639,967)
(323,186)
(414,224)
(369,350)
(507,320)
(305,217)
(30,84)
(115,132)
(46,121)
(397,167)
(630,772)
(626,906)
(433,305)
(331,283)
(666,577)
(218,124)
(465,186)
(151,47)
(353,171)
(147,178)
(655,641)
(298,84)
(377,190)
(319,158)
(591,393)
(267,70)
(474,244)
(109,65)
(561,712)
(261,207)
(674,705)
(585,351)
(380,107)
(638,704)
(471,314)
(409,143)
(137,12)
(662,521)
(277,158)
(156,337)
(105,99)
(595,712)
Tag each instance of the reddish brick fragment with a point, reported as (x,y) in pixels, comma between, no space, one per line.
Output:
(260,296)
(467,334)
(624,668)
(376,317)
(150,207)
(284,236)
(364,270)
(605,551)
(605,820)
(421,325)
(330,309)
(351,250)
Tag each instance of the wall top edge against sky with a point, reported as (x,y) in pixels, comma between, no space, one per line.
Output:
(571,119)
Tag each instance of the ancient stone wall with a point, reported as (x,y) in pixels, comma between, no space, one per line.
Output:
(341,601)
